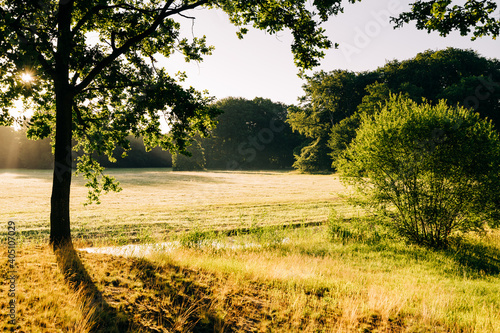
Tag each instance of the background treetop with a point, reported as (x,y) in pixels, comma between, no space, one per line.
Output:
(330,110)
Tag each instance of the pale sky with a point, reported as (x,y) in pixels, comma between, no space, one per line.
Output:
(261,65)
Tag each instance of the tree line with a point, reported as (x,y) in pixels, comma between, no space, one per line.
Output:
(330,111)
(312,135)
(250,135)
(19,152)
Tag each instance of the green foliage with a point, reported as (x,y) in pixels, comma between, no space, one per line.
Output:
(250,134)
(476,16)
(274,15)
(137,156)
(193,238)
(366,230)
(97,181)
(313,158)
(341,136)
(329,98)
(197,238)
(435,168)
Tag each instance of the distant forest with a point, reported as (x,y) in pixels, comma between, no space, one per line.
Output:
(330,112)
(250,135)
(17,151)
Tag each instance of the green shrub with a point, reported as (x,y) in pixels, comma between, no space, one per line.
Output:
(434,168)
(195,238)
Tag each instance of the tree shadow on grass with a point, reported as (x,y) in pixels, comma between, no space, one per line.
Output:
(179,301)
(169,298)
(104,317)
(477,257)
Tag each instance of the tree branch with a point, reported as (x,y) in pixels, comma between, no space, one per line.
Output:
(96,9)
(100,88)
(164,13)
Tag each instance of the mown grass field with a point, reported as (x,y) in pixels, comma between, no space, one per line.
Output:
(340,274)
(156,202)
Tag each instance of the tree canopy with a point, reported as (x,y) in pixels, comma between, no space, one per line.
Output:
(329,98)
(472,16)
(250,134)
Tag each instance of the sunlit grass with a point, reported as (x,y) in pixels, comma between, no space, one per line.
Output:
(384,284)
(44,302)
(156,202)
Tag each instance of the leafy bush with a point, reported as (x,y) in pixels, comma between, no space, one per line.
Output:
(197,238)
(435,168)
(193,238)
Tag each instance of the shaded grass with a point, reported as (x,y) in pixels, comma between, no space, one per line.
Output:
(44,302)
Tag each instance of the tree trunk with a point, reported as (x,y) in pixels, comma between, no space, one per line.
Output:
(60,233)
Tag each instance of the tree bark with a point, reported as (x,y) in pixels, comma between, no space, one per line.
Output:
(60,232)
(61,183)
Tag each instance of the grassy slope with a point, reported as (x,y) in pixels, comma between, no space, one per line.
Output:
(304,284)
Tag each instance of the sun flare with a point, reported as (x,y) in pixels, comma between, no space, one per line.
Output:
(26,77)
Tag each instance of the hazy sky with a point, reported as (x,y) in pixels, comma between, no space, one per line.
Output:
(261,65)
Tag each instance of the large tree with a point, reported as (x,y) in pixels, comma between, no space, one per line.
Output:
(87,70)
(250,134)
(329,98)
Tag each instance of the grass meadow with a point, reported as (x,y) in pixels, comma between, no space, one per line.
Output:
(155,203)
(251,252)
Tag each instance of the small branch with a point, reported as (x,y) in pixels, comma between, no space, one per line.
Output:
(75,78)
(96,9)
(188,17)
(81,122)
(100,88)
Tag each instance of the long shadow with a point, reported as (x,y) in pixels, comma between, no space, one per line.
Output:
(105,317)
(478,257)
